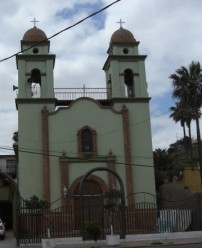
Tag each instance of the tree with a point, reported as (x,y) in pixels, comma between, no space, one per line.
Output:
(112,204)
(35,203)
(161,159)
(177,115)
(167,165)
(161,166)
(184,115)
(187,89)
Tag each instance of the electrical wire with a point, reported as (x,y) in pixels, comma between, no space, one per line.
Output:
(101,135)
(69,27)
(79,158)
(71,153)
(58,152)
(37,151)
(73,25)
(77,23)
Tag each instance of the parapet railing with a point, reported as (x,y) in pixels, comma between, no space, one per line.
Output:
(74,93)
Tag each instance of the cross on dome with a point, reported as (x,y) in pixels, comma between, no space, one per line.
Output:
(34,21)
(120,22)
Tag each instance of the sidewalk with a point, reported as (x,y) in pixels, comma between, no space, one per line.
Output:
(143,240)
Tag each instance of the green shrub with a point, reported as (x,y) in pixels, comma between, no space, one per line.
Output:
(35,203)
(93,230)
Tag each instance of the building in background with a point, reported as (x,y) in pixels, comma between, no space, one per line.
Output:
(8,165)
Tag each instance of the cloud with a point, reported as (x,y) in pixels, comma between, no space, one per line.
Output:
(86,8)
(169,33)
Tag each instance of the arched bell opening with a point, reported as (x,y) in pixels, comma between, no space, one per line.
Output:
(35,83)
(129,83)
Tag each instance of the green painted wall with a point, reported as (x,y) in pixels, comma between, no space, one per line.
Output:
(141,147)
(63,127)
(30,148)
(69,121)
(64,124)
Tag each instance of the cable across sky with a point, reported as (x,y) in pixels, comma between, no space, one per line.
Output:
(61,31)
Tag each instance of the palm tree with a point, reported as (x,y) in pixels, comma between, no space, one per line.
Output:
(187,89)
(167,165)
(161,166)
(177,116)
(161,159)
(195,71)
(184,115)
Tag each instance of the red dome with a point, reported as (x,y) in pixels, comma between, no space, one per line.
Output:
(34,34)
(122,35)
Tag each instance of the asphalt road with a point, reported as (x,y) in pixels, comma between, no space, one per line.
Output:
(176,246)
(9,241)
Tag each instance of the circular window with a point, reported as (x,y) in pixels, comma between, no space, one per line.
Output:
(125,50)
(35,50)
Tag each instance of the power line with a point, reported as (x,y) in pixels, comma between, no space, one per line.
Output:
(37,151)
(86,159)
(134,124)
(79,158)
(73,25)
(107,133)
(40,152)
(77,23)
(71,153)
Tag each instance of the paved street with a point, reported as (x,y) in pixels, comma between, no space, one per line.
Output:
(181,242)
(177,246)
(9,241)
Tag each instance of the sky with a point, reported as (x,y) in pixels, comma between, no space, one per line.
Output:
(169,32)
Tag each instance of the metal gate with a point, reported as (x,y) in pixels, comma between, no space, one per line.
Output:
(139,218)
(68,220)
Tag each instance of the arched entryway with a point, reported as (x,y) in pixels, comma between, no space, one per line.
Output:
(99,209)
(93,190)
(92,200)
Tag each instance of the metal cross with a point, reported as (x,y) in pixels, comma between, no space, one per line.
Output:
(120,22)
(34,21)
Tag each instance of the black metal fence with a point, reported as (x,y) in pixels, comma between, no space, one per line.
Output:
(140,218)
(74,93)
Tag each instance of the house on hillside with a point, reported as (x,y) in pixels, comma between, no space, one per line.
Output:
(64,133)
(191,179)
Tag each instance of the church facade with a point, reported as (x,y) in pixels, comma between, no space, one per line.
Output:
(62,134)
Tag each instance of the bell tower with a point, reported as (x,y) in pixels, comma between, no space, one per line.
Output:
(126,80)
(34,100)
(124,67)
(35,66)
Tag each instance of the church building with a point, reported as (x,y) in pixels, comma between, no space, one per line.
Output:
(64,133)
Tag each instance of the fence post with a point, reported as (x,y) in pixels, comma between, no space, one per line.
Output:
(200,209)
(17,218)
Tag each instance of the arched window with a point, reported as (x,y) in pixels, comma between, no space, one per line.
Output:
(109,87)
(129,84)
(87,140)
(35,83)
(36,76)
